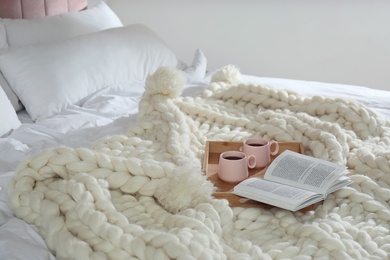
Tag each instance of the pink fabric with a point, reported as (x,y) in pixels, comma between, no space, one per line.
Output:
(38,8)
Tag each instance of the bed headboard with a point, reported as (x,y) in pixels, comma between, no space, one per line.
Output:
(38,8)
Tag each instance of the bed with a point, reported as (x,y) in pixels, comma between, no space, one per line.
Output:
(101,148)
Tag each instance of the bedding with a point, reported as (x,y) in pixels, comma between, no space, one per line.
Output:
(51,76)
(129,177)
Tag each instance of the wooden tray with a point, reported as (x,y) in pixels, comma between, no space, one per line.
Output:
(210,168)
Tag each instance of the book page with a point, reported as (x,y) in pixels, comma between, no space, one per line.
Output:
(304,172)
(285,191)
(276,194)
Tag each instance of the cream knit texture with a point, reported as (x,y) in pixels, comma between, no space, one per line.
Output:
(142,195)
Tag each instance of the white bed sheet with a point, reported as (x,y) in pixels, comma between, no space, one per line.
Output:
(107,113)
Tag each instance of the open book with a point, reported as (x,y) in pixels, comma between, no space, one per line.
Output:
(294,181)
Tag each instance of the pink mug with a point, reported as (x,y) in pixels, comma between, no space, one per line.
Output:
(261,149)
(233,166)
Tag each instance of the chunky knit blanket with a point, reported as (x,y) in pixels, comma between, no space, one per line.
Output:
(142,194)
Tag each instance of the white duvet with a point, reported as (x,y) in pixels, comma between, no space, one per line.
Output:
(107,113)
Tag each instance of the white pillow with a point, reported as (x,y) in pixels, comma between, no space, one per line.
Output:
(3,37)
(16,104)
(7,89)
(197,70)
(9,119)
(21,32)
(49,77)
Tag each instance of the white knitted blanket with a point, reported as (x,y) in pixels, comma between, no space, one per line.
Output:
(143,195)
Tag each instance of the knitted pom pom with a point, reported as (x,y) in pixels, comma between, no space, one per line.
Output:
(185,188)
(229,74)
(166,81)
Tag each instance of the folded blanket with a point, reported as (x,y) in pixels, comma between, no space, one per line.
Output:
(142,194)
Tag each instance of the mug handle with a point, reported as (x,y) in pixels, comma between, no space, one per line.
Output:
(251,161)
(276,146)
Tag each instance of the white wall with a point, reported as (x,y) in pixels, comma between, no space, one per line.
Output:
(345,41)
